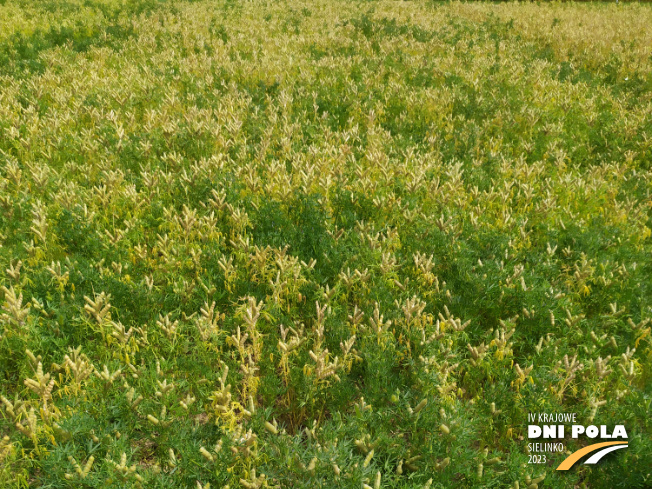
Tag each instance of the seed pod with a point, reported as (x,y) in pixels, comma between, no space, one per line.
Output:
(538,479)
(367,460)
(173,458)
(413,459)
(206,454)
(361,445)
(312,464)
(445,429)
(252,407)
(420,406)
(443,464)
(480,470)
(271,428)
(87,467)
(336,469)
(135,404)
(152,419)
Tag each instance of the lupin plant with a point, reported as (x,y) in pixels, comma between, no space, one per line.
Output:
(321,244)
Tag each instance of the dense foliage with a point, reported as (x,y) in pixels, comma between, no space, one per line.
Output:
(321,244)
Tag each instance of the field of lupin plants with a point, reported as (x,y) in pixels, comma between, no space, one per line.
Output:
(322,244)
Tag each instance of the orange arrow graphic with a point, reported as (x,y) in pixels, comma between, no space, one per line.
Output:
(575,456)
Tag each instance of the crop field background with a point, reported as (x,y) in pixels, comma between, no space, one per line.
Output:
(322,244)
